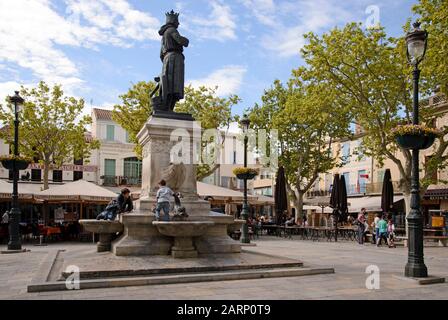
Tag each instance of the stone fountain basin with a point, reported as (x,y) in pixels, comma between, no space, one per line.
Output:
(236,225)
(183,228)
(102,226)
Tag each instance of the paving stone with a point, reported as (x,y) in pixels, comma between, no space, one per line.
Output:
(349,259)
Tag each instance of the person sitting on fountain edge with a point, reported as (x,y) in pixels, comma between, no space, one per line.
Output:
(124,201)
(164,195)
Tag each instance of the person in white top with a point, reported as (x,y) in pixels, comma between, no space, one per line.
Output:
(5,217)
(164,195)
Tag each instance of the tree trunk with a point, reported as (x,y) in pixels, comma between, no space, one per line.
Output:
(299,204)
(46,170)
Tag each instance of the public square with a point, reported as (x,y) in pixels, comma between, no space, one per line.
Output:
(348,282)
(223,150)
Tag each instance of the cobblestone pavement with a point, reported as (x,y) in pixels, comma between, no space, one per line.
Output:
(349,260)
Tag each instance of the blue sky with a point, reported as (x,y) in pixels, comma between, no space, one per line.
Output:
(98,48)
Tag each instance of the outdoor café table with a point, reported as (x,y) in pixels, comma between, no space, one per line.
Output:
(51,232)
(347,232)
(431,232)
(290,230)
(271,228)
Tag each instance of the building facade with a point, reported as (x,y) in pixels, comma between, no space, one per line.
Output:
(116,160)
(70,171)
(364,175)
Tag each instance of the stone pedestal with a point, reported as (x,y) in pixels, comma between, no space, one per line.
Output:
(105,242)
(169,149)
(105,229)
(183,248)
(140,237)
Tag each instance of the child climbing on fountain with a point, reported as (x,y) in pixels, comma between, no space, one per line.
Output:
(164,195)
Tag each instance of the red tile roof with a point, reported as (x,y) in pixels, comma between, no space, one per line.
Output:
(102,114)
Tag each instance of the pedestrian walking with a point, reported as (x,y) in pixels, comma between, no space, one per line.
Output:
(382,231)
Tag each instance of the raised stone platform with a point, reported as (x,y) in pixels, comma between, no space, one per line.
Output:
(99,270)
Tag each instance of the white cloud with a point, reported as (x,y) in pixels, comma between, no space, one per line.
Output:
(228,80)
(8,88)
(32,33)
(112,21)
(219,25)
(263,10)
(289,20)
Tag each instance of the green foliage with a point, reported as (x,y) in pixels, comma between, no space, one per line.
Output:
(434,17)
(203,103)
(17,158)
(245,170)
(372,77)
(414,129)
(51,129)
(307,122)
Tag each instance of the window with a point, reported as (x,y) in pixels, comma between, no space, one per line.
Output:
(362,181)
(127,137)
(77,175)
(380,175)
(109,167)
(78,162)
(57,175)
(361,156)
(132,170)
(36,175)
(110,132)
(346,153)
(225,182)
(347,181)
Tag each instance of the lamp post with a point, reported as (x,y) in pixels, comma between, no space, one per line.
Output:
(14,214)
(416,42)
(245,122)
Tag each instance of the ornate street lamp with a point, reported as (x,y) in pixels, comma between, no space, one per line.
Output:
(416,42)
(14,214)
(245,122)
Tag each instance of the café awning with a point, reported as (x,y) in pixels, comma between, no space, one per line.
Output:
(76,191)
(371,203)
(26,190)
(205,190)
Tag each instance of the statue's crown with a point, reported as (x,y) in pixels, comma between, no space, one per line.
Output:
(172,17)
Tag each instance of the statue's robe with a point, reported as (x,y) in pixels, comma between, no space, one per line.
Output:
(173,71)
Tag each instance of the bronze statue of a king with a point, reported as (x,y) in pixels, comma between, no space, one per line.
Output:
(172,79)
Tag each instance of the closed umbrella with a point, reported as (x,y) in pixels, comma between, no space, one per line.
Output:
(334,202)
(343,205)
(334,197)
(387,194)
(280,197)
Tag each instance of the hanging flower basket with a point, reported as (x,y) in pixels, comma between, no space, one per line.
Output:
(415,136)
(21,162)
(243,173)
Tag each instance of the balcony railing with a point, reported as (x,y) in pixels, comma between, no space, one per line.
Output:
(121,181)
(352,189)
(377,188)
